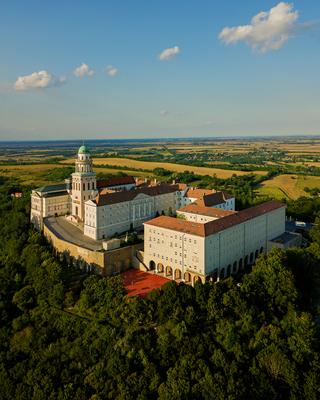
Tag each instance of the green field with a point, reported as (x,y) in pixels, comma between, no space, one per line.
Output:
(288,186)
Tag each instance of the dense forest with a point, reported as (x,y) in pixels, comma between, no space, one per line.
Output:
(65,335)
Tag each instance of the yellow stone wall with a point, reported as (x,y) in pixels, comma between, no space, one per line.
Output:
(105,263)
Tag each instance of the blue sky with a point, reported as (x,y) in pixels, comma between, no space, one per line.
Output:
(262,79)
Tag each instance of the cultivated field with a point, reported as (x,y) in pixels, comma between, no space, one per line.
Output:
(296,159)
(126,162)
(29,174)
(35,175)
(289,186)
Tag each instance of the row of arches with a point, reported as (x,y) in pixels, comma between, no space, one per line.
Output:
(237,266)
(231,269)
(77,186)
(175,274)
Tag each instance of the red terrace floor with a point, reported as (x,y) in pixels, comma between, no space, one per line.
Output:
(139,283)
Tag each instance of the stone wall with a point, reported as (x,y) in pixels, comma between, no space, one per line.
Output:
(105,263)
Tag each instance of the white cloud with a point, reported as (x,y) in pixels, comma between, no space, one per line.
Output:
(83,70)
(268,30)
(163,113)
(169,53)
(38,80)
(111,70)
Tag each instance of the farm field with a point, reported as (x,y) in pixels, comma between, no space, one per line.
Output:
(295,161)
(310,163)
(125,162)
(29,174)
(35,175)
(288,186)
(235,145)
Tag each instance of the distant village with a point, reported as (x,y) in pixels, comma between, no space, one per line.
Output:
(186,234)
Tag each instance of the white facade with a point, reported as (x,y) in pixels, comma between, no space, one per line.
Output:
(242,243)
(202,215)
(177,251)
(49,201)
(104,213)
(103,221)
(56,200)
(83,183)
(181,254)
(209,198)
(229,204)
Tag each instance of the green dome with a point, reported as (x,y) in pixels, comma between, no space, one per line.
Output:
(83,149)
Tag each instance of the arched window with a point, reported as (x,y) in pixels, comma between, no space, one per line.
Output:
(152,265)
(234,269)
(187,277)
(84,186)
(177,274)
(160,267)
(215,276)
(196,279)
(168,271)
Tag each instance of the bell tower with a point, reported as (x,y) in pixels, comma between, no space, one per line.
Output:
(84,183)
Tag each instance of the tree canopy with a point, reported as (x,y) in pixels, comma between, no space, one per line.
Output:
(66,335)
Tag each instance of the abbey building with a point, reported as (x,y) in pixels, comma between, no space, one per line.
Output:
(103,208)
(189,233)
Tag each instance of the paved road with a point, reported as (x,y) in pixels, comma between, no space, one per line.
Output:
(69,232)
(291,226)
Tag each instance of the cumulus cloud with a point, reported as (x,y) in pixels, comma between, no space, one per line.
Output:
(268,30)
(111,70)
(83,70)
(163,113)
(38,80)
(169,53)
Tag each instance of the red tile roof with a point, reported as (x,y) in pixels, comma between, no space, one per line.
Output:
(115,181)
(177,224)
(208,198)
(119,197)
(212,227)
(195,208)
(195,193)
(182,186)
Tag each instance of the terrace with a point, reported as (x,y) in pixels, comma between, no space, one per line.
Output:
(139,283)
